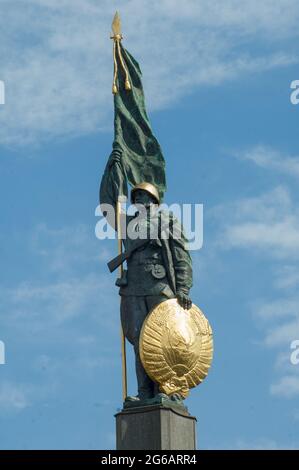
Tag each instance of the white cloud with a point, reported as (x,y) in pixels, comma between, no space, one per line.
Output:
(63,325)
(281,326)
(75,284)
(13,397)
(56,56)
(268,223)
(66,249)
(283,363)
(287,387)
(287,277)
(36,305)
(279,319)
(282,307)
(283,335)
(271,159)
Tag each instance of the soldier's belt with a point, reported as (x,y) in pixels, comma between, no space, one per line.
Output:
(155,267)
(144,262)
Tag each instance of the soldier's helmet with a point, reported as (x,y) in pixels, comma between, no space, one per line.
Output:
(148,187)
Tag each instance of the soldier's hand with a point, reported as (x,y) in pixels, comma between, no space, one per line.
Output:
(115,157)
(184,300)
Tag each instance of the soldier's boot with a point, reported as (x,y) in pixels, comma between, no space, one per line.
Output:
(131,398)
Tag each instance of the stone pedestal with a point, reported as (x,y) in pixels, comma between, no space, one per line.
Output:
(155,428)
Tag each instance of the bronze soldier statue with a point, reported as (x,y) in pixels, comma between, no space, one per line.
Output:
(159,269)
(173,345)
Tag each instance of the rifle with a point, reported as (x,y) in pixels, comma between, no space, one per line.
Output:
(119,259)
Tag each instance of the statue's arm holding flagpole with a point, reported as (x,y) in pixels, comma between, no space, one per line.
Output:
(113,189)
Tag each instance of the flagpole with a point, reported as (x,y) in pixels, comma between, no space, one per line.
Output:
(117,37)
(122,336)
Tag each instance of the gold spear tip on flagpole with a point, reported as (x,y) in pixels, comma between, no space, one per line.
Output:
(117,37)
(116,27)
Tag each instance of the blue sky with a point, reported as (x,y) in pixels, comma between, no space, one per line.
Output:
(217,78)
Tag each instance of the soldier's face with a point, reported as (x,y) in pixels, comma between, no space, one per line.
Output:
(144,198)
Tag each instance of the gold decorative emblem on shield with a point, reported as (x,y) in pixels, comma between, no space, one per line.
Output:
(176,347)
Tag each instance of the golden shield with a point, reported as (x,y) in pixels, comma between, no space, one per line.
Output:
(176,347)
